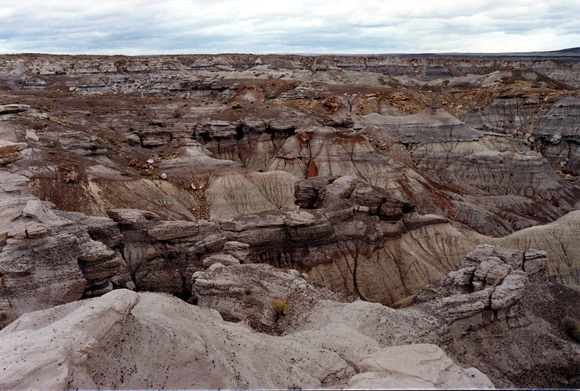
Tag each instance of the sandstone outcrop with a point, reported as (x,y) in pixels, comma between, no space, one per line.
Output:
(488,278)
(349,236)
(13,108)
(413,367)
(118,340)
(45,258)
(494,295)
(130,340)
(500,298)
(306,120)
(278,190)
(524,190)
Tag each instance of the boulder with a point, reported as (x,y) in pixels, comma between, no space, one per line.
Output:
(224,259)
(168,230)
(94,251)
(306,191)
(237,250)
(13,108)
(43,213)
(132,217)
(489,277)
(10,152)
(418,366)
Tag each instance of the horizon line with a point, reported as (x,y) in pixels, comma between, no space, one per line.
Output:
(556,51)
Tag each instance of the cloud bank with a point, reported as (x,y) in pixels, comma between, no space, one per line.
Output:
(136,27)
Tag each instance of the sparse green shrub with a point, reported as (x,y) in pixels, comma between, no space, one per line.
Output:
(236,106)
(280,306)
(572,328)
(248,289)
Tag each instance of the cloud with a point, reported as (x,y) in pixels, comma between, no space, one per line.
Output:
(259,26)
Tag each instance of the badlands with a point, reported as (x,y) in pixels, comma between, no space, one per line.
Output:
(284,221)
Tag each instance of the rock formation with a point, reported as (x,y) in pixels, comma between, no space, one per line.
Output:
(213,150)
(130,340)
(120,339)
(297,196)
(524,187)
(348,235)
(499,299)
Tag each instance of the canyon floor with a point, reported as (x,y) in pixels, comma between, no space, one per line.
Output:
(283,221)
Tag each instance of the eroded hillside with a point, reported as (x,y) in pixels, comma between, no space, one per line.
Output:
(373,175)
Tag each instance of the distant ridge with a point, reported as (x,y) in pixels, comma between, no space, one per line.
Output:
(571,54)
(563,55)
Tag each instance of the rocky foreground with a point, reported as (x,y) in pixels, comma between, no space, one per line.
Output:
(282,207)
(496,311)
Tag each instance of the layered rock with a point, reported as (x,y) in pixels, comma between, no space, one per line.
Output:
(327,151)
(170,151)
(245,292)
(120,339)
(488,279)
(494,312)
(109,74)
(558,134)
(545,120)
(559,239)
(524,191)
(196,119)
(47,259)
(430,125)
(500,298)
(349,236)
(355,230)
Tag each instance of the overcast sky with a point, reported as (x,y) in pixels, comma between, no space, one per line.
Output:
(135,27)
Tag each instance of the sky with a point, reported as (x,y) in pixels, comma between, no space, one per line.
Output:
(143,27)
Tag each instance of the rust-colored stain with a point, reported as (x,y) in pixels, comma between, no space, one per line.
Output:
(312,170)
